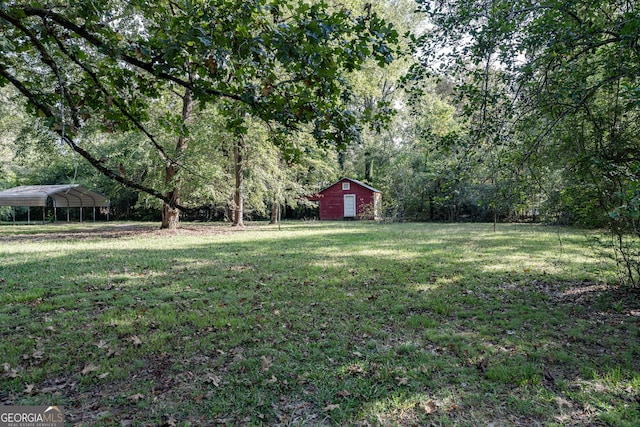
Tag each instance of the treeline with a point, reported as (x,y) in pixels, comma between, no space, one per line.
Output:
(426,162)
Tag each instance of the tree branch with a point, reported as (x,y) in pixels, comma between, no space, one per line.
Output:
(50,113)
(82,32)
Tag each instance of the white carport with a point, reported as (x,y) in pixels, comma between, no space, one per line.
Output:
(62,196)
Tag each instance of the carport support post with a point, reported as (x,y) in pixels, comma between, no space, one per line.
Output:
(28,214)
(44,214)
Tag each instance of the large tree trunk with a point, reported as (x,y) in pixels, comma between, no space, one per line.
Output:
(171,214)
(275,212)
(238,198)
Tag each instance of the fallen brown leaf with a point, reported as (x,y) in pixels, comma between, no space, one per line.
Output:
(101,344)
(10,372)
(343,393)
(355,370)
(53,388)
(266,363)
(428,407)
(88,368)
(37,355)
(402,380)
(113,352)
(136,397)
(238,356)
(213,379)
(169,422)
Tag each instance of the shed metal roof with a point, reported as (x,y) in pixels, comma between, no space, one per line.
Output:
(368,187)
(360,183)
(72,196)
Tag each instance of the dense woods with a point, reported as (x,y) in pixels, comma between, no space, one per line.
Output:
(233,110)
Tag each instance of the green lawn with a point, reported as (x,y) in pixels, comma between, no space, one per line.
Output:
(341,323)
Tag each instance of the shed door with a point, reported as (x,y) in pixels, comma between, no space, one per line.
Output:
(349,205)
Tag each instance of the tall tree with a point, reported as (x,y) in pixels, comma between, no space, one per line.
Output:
(239,148)
(283,61)
(170,213)
(378,95)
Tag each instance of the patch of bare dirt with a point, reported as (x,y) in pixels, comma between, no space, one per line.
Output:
(597,299)
(116,231)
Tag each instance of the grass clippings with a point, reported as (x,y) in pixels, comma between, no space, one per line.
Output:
(317,324)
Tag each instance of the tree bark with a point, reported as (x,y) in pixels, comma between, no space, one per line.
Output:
(170,216)
(275,212)
(368,166)
(170,213)
(238,198)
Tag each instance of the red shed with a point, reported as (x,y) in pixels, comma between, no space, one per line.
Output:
(349,199)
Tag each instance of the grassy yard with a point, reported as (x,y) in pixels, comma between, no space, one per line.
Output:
(317,324)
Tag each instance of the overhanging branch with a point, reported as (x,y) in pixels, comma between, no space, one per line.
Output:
(93,39)
(47,111)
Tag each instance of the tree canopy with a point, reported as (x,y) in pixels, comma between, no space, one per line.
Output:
(283,62)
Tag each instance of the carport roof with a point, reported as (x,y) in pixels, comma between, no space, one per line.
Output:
(72,196)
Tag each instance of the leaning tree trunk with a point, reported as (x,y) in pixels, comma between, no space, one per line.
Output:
(171,214)
(238,197)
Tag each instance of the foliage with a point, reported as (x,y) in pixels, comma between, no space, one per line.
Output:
(520,110)
(284,62)
(626,220)
(553,83)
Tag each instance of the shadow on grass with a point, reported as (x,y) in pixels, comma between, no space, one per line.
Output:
(319,324)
